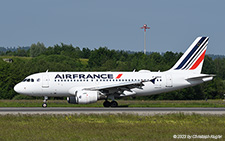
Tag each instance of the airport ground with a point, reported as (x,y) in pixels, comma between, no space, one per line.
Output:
(111,126)
(122,103)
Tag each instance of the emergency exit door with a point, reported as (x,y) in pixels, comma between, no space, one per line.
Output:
(169,81)
(45,81)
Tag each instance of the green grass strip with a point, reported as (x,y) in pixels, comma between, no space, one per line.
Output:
(108,127)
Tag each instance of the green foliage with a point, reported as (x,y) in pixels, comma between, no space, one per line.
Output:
(22,97)
(37,49)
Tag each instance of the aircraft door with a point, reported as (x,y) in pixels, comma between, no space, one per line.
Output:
(169,81)
(45,81)
(158,82)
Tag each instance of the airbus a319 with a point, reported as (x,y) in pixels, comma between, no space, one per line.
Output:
(89,87)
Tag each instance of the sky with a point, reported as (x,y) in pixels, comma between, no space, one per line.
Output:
(174,24)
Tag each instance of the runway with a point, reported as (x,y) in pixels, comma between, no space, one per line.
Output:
(118,110)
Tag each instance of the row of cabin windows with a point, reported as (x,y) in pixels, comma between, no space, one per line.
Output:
(86,80)
(28,80)
(31,80)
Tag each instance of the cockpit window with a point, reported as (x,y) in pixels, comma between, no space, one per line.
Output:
(38,80)
(28,80)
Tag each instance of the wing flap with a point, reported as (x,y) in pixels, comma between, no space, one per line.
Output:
(126,84)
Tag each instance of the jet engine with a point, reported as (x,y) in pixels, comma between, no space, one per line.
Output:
(85,97)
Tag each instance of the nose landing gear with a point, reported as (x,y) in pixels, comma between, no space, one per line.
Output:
(44,105)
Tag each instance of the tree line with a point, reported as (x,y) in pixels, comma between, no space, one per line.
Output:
(62,57)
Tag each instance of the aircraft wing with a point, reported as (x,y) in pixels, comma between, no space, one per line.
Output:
(133,84)
(116,89)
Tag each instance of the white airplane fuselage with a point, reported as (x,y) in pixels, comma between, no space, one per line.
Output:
(46,84)
(88,87)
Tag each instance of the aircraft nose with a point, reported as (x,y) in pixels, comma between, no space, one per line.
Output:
(18,88)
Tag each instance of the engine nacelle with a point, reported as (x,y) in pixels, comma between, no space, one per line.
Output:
(84,97)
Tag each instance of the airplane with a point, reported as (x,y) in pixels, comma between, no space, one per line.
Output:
(89,87)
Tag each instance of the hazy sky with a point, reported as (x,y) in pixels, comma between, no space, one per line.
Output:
(116,24)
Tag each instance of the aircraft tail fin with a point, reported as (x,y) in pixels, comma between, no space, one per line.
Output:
(193,58)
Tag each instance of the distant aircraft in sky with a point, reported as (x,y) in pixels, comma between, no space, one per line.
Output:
(88,87)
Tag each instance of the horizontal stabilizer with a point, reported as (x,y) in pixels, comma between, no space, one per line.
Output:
(204,77)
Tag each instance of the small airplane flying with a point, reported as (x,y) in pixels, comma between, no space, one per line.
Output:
(88,87)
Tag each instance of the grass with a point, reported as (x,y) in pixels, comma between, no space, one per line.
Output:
(122,103)
(108,127)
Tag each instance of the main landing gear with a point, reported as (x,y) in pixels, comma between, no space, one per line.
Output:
(44,105)
(110,104)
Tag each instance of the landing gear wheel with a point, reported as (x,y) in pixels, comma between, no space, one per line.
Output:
(106,104)
(114,104)
(44,105)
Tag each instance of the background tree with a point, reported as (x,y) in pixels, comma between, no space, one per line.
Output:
(37,49)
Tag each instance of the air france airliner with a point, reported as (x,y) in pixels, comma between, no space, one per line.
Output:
(89,87)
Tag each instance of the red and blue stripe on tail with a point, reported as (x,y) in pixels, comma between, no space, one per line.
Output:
(193,58)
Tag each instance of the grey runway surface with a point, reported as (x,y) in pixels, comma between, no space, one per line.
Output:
(127,110)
